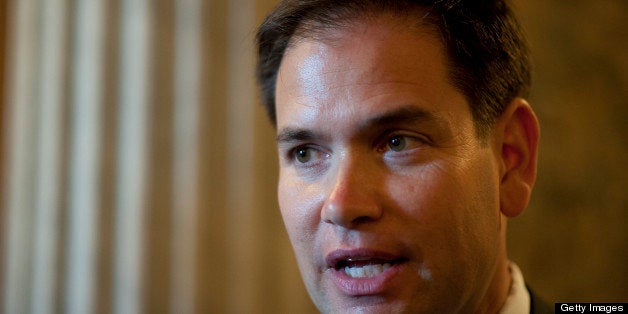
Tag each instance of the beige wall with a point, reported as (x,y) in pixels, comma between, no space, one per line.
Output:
(176,210)
(572,240)
(3,22)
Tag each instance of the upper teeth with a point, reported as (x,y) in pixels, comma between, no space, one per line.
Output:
(366,270)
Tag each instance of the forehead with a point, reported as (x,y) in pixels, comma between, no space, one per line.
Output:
(361,70)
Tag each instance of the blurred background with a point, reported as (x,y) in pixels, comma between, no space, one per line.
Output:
(138,171)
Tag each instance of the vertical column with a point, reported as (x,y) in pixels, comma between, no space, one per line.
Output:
(158,217)
(3,170)
(84,163)
(185,163)
(48,191)
(133,109)
(21,127)
(211,256)
(243,231)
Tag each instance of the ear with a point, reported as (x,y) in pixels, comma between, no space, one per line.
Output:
(518,139)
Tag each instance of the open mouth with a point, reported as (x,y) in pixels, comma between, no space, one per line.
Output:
(362,265)
(364,269)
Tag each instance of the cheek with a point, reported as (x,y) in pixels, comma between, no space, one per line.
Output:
(457,187)
(300,211)
(453,205)
(426,193)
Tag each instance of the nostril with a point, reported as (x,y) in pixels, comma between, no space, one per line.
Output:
(363,219)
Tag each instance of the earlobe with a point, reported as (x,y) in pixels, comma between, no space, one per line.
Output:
(519,141)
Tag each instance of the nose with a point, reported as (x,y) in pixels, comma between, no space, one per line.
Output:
(354,195)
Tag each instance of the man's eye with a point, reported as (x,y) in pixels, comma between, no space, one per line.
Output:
(402,143)
(397,143)
(303,155)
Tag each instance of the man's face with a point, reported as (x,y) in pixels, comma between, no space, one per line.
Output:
(390,200)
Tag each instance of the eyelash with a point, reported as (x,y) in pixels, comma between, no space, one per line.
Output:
(293,153)
(384,145)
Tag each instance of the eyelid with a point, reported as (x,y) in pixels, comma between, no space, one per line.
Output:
(290,154)
(383,140)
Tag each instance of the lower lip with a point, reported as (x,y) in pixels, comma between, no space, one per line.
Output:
(367,286)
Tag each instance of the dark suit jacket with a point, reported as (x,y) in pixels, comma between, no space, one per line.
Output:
(538,305)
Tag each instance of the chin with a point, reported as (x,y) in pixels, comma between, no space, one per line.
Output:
(369,304)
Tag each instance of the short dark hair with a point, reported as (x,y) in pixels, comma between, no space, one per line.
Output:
(488,57)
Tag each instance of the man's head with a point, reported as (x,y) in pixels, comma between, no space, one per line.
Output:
(397,173)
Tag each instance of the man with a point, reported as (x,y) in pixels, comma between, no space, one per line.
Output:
(405,144)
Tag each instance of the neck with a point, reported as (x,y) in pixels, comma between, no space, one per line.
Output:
(497,293)
(499,288)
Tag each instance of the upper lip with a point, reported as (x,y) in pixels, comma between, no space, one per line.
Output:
(337,258)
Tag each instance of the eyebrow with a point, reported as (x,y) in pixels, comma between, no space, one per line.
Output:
(403,115)
(295,135)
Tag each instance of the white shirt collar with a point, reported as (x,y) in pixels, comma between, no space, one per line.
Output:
(518,300)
